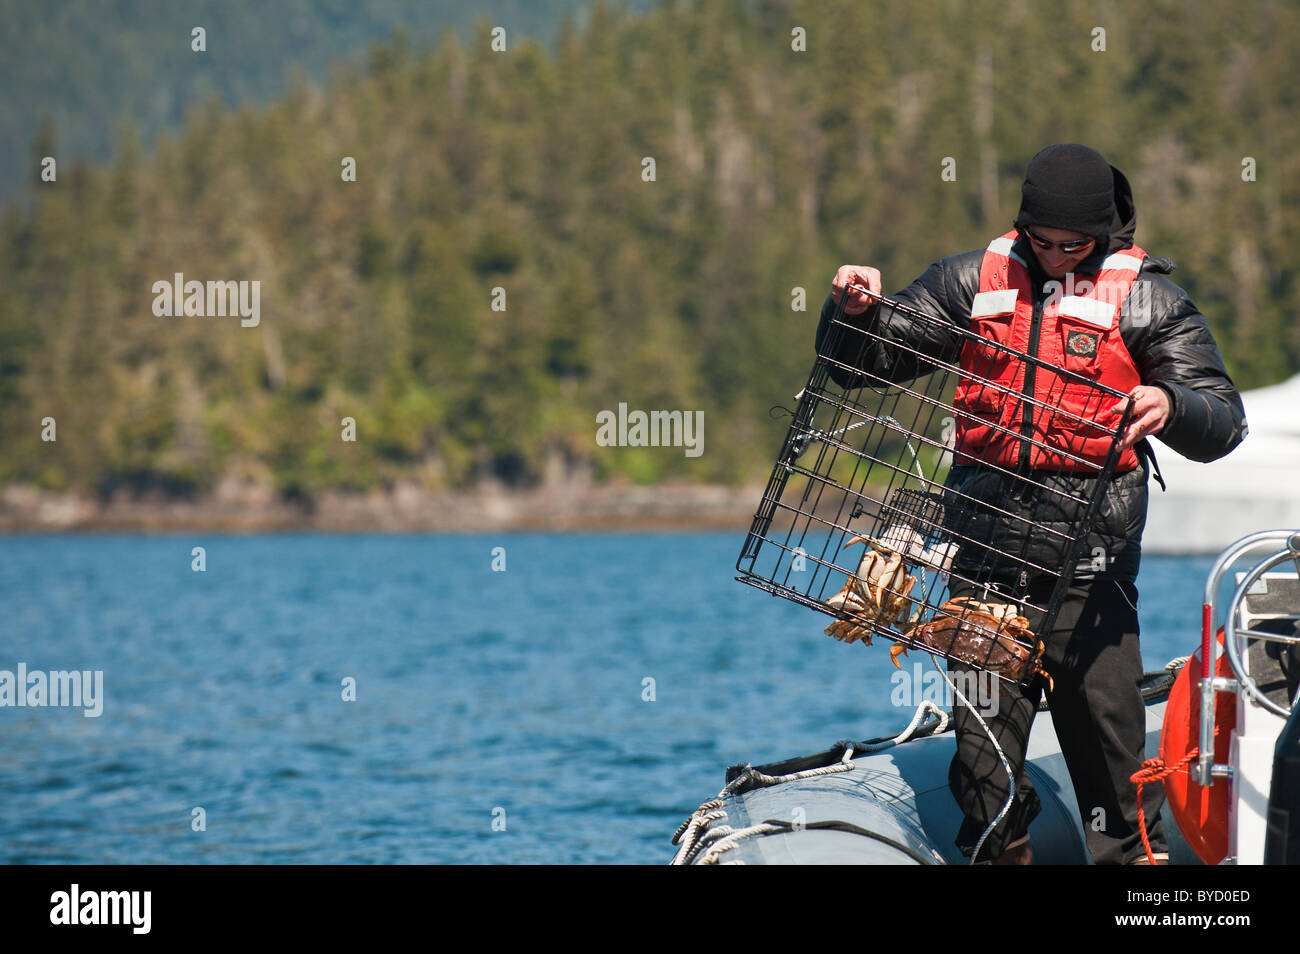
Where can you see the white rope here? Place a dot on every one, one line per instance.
(689, 833)
(731, 837)
(763, 781)
(1011, 794)
(921, 710)
(701, 818)
(718, 840)
(695, 835)
(1125, 595)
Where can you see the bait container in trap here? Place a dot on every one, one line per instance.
(929, 489)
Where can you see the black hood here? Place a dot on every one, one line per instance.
(1124, 225)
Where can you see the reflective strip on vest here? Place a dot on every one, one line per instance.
(994, 303)
(1002, 246)
(1091, 310)
(1120, 261)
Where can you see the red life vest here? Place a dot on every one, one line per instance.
(1079, 332)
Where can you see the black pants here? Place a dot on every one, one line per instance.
(1100, 720)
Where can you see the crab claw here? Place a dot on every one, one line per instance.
(896, 650)
(848, 597)
(864, 634)
(885, 577)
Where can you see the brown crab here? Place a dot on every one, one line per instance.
(877, 591)
(989, 635)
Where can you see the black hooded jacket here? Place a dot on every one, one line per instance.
(1171, 346)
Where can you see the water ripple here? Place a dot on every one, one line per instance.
(379, 700)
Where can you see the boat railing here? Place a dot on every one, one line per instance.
(1287, 544)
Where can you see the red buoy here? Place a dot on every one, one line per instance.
(1201, 813)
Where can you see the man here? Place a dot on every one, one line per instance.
(1122, 323)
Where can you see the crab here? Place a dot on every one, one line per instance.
(992, 636)
(877, 591)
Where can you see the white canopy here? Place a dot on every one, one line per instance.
(1256, 487)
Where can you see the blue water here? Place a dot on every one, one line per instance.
(482, 697)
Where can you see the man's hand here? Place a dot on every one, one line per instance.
(1150, 412)
(863, 275)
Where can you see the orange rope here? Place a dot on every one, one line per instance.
(1155, 770)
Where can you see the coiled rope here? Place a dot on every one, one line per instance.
(695, 835)
(1155, 770)
(704, 816)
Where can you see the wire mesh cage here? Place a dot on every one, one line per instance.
(937, 487)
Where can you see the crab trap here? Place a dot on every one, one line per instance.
(937, 487)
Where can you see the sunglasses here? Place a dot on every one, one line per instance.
(1069, 248)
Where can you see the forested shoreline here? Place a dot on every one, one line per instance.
(505, 265)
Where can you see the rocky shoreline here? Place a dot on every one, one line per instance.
(249, 508)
